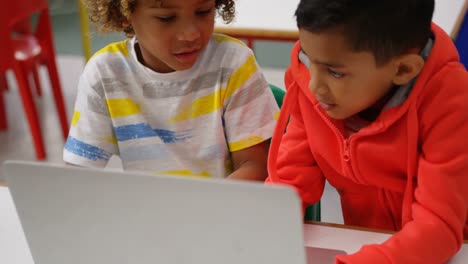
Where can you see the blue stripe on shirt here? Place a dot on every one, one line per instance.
(85, 150)
(130, 132)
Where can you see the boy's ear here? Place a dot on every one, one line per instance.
(408, 67)
(126, 22)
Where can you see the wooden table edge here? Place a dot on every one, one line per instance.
(358, 228)
(258, 33)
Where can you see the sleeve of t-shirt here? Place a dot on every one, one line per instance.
(250, 108)
(91, 140)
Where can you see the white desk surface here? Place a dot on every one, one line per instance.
(14, 248)
(279, 14)
(351, 240)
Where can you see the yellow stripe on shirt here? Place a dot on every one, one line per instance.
(245, 143)
(112, 140)
(276, 115)
(187, 173)
(117, 47)
(75, 118)
(201, 106)
(223, 38)
(122, 107)
(210, 103)
(240, 76)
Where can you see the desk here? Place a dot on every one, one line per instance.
(352, 239)
(14, 248)
(274, 19)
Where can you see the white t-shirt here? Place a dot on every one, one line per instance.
(184, 122)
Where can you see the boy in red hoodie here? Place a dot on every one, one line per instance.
(376, 105)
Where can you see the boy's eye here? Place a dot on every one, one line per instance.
(166, 18)
(335, 74)
(204, 12)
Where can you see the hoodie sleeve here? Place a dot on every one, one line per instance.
(437, 221)
(290, 160)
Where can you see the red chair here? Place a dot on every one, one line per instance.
(22, 28)
(22, 50)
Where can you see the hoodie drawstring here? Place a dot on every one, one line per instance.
(281, 125)
(412, 165)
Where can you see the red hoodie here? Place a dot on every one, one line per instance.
(407, 171)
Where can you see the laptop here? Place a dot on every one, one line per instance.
(77, 215)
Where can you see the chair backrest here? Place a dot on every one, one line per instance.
(17, 16)
(19, 10)
(462, 41)
(278, 93)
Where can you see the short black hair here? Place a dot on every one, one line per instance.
(387, 28)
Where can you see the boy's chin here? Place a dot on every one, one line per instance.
(338, 116)
(184, 67)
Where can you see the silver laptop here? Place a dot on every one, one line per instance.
(82, 216)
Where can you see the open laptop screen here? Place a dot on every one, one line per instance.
(74, 215)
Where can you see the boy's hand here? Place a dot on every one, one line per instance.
(250, 163)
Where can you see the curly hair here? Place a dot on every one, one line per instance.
(110, 15)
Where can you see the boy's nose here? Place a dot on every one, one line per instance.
(189, 32)
(316, 85)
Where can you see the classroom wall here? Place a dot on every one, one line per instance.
(66, 26)
(269, 54)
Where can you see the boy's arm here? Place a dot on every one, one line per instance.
(248, 118)
(250, 163)
(90, 142)
(439, 209)
(292, 163)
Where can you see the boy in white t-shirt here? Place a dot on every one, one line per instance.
(174, 98)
